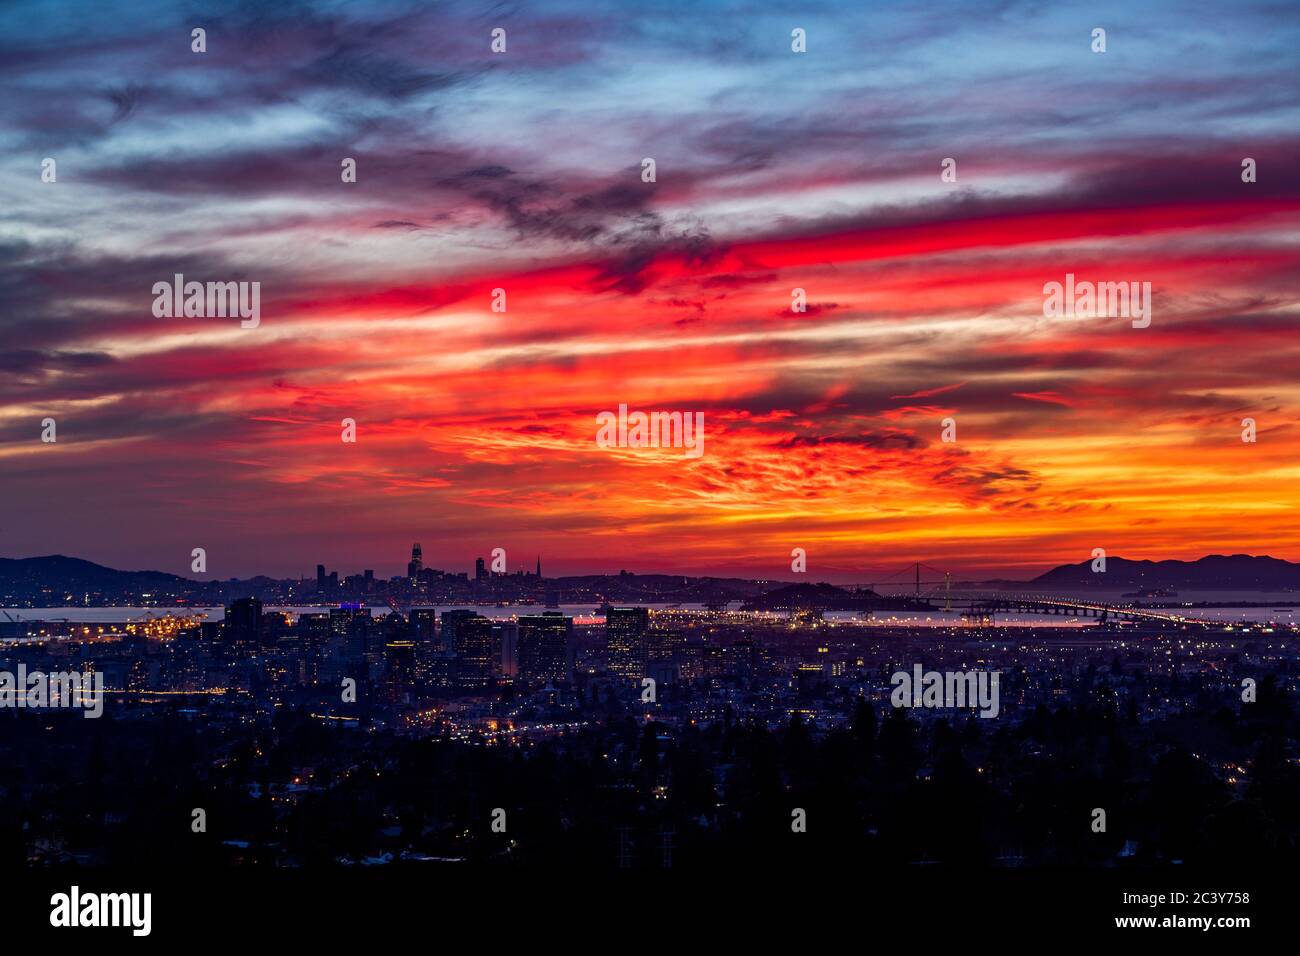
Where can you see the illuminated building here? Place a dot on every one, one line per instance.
(475, 660)
(424, 625)
(313, 630)
(450, 621)
(399, 668)
(543, 647)
(506, 636)
(625, 640)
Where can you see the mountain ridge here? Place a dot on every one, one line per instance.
(1224, 572)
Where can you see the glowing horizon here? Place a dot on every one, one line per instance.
(775, 171)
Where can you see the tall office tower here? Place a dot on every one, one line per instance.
(313, 630)
(320, 579)
(543, 641)
(539, 565)
(347, 629)
(244, 623)
(399, 664)
(275, 628)
(475, 662)
(424, 624)
(416, 564)
(663, 643)
(424, 631)
(626, 630)
(394, 627)
(480, 570)
(505, 637)
(212, 634)
(450, 621)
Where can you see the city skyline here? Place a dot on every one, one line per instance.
(776, 171)
(1236, 571)
(549, 446)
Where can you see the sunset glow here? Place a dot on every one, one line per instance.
(476, 429)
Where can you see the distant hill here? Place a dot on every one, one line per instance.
(73, 576)
(57, 578)
(824, 597)
(1215, 572)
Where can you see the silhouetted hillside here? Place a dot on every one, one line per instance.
(822, 596)
(1237, 572)
(73, 575)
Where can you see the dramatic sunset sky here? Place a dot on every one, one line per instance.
(522, 171)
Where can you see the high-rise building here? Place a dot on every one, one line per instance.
(506, 636)
(424, 630)
(626, 630)
(416, 564)
(480, 569)
(327, 585)
(475, 660)
(399, 667)
(424, 623)
(244, 623)
(312, 637)
(348, 630)
(543, 645)
(313, 629)
(450, 621)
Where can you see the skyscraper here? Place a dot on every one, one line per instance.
(348, 626)
(399, 667)
(475, 660)
(506, 636)
(543, 643)
(416, 564)
(450, 622)
(625, 641)
(244, 623)
(424, 624)
(424, 631)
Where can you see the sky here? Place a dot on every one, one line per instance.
(523, 171)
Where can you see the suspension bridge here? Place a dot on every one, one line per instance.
(936, 592)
